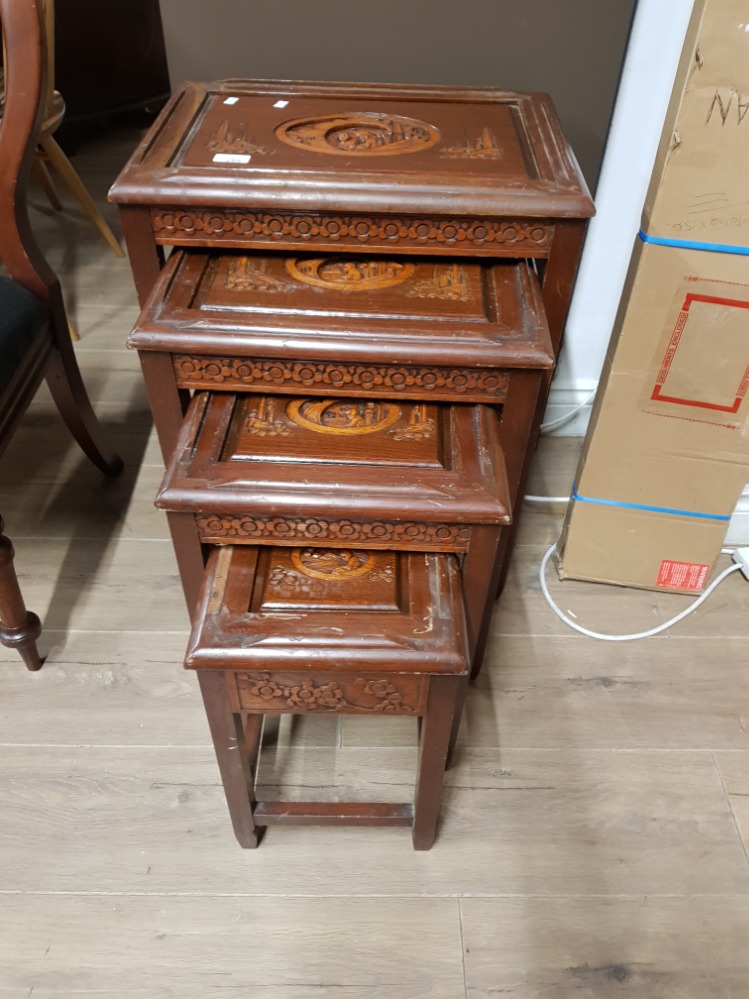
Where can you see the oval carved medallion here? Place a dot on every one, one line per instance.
(339, 563)
(342, 416)
(359, 134)
(349, 274)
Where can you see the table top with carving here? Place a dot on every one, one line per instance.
(348, 308)
(362, 459)
(352, 611)
(365, 148)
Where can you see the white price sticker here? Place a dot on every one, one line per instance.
(231, 158)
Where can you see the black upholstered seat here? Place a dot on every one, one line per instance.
(22, 319)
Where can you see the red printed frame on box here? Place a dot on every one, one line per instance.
(658, 393)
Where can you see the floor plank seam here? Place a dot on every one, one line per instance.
(649, 896)
(744, 846)
(463, 949)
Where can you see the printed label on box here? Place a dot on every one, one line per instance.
(682, 575)
(701, 366)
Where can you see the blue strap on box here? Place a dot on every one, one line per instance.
(644, 506)
(688, 244)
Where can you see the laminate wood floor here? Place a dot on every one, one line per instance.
(596, 822)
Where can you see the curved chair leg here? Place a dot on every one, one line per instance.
(19, 628)
(61, 164)
(71, 398)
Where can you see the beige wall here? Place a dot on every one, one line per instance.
(571, 48)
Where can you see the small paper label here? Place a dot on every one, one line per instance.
(682, 575)
(280, 104)
(231, 158)
(231, 100)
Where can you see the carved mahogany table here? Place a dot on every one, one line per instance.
(280, 165)
(374, 633)
(347, 352)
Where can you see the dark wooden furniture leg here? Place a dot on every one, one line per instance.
(167, 401)
(146, 256)
(434, 743)
(558, 278)
(168, 404)
(480, 568)
(520, 423)
(253, 731)
(70, 396)
(189, 554)
(19, 628)
(229, 742)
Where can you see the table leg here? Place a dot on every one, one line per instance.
(480, 567)
(433, 748)
(167, 401)
(559, 274)
(146, 256)
(229, 742)
(520, 421)
(189, 554)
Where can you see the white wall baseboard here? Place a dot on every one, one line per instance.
(738, 529)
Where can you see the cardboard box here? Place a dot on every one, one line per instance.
(699, 189)
(667, 455)
(667, 452)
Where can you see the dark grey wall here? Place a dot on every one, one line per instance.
(571, 48)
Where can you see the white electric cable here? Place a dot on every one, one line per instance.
(561, 420)
(625, 638)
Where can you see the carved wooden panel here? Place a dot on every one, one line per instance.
(335, 629)
(322, 378)
(362, 133)
(346, 274)
(420, 153)
(317, 578)
(363, 431)
(347, 325)
(323, 429)
(221, 226)
(326, 693)
(375, 533)
(333, 460)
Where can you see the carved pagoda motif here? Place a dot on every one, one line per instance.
(246, 274)
(261, 420)
(359, 134)
(420, 427)
(485, 147)
(225, 140)
(447, 283)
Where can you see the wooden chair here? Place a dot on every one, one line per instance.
(34, 339)
(49, 152)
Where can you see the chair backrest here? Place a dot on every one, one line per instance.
(25, 70)
(49, 38)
